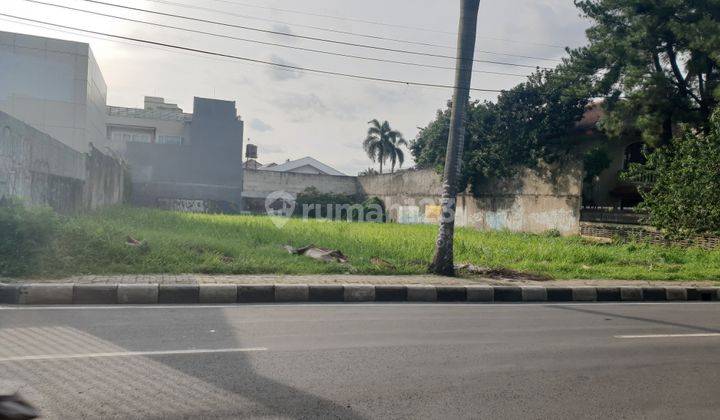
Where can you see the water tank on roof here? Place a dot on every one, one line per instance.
(251, 151)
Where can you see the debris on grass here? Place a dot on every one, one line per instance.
(501, 273)
(379, 262)
(141, 245)
(132, 241)
(320, 254)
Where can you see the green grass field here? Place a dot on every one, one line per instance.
(197, 243)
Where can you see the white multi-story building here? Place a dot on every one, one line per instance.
(157, 122)
(55, 86)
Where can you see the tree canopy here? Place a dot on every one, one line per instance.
(528, 123)
(656, 62)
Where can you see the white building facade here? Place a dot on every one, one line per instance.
(55, 86)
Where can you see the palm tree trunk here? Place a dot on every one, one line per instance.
(443, 263)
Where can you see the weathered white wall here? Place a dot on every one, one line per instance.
(530, 202)
(44, 171)
(55, 86)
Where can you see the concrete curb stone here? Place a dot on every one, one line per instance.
(507, 294)
(631, 294)
(218, 293)
(584, 294)
(95, 294)
(326, 293)
(358, 293)
(451, 293)
(385, 293)
(137, 294)
(534, 294)
(560, 294)
(46, 294)
(9, 294)
(676, 294)
(654, 294)
(255, 293)
(292, 293)
(480, 293)
(709, 293)
(608, 294)
(419, 293)
(179, 293)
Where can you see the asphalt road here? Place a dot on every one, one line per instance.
(366, 361)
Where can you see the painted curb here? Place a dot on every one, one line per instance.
(359, 293)
(95, 294)
(326, 293)
(255, 293)
(137, 294)
(484, 294)
(292, 293)
(421, 293)
(178, 293)
(141, 294)
(46, 294)
(534, 294)
(218, 293)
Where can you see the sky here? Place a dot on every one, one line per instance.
(291, 114)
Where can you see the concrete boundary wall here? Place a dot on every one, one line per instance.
(257, 185)
(43, 171)
(533, 201)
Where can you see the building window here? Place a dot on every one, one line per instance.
(126, 137)
(170, 140)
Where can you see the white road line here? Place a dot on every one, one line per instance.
(669, 335)
(128, 354)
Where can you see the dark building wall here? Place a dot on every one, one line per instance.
(212, 157)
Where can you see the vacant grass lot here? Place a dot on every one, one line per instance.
(196, 243)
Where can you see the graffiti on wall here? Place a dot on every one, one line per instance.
(183, 205)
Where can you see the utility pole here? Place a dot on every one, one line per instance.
(443, 263)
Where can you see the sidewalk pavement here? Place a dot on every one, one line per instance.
(198, 279)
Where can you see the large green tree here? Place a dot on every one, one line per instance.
(529, 123)
(657, 62)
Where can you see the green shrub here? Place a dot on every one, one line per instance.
(684, 197)
(25, 233)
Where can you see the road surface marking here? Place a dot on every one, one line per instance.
(669, 335)
(128, 354)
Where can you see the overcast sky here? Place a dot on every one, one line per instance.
(292, 114)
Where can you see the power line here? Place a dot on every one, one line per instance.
(162, 25)
(372, 22)
(338, 31)
(326, 40)
(247, 59)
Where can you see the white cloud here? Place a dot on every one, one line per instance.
(260, 125)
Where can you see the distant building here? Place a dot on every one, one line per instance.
(252, 164)
(306, 165)
(157, 122)
(54, 86)
(179, 159)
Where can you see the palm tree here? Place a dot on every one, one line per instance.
(382, 143)
(395, 153)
